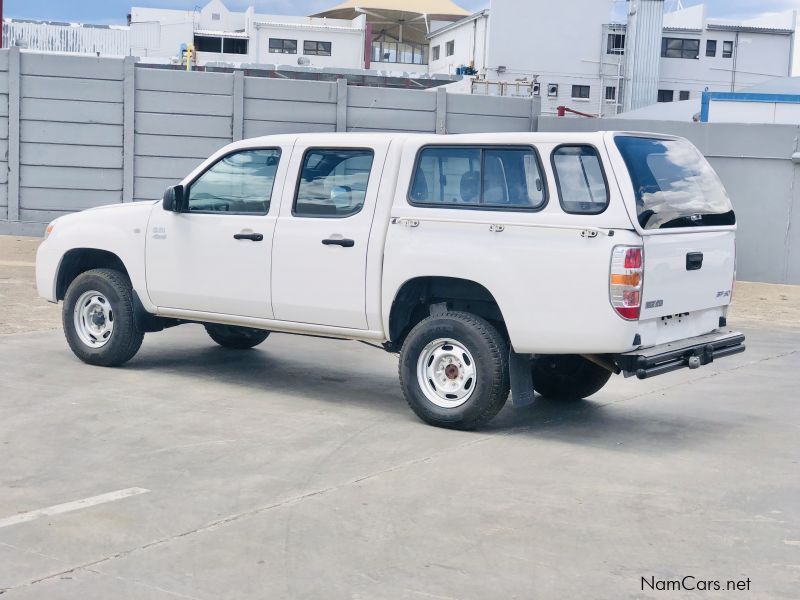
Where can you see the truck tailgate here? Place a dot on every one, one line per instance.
(687, 272)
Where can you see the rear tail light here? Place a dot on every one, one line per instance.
(625, 283)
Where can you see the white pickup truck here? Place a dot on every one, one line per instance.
(490, 262)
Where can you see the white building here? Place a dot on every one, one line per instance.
(387, 34)
(221, 35)
(583, 65)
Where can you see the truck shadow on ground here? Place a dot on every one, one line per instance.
(373, 385)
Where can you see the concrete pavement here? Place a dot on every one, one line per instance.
(296, 471)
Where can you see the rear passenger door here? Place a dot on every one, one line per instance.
(320, 251)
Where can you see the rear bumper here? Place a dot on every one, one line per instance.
(690, 353)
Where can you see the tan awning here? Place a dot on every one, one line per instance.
(403, 20)
(420, 7)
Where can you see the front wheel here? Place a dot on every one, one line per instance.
(567, 377)
(238, 338)
(98, 318)
(454, 370)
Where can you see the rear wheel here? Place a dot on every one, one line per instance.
(454, 370)
(567, 377)
(238, 338)
(98, 318)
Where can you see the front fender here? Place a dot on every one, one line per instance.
(119, 229)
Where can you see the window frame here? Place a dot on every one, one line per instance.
(614, 95)
(558, 180)
(728, 54)
(187, 187)
(665, 47)
(436, 52)
(672, 97)
(613, 49)
(317, 52)
(245, 41)
(581, 87)
(448, 46)
(300, 176)
(711, 44)
(481, 207)
(271, 51)
(684, 95)
(197, 37)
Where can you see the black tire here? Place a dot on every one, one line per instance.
(124, 339)
(237, 338)
(489, 352)
(567, 377)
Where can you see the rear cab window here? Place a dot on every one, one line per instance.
(581, 181)
(486, 177)
(674, 185)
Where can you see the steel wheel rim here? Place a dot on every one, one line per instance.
(94, 319)
(446, 373)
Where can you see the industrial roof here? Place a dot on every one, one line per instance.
(420, 7)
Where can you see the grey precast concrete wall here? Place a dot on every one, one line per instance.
(755, 164)
(78, 132)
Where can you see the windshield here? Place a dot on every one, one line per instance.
(674, 184)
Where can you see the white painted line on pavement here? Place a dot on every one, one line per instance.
(71, 506)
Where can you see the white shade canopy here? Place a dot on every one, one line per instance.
(406, 20)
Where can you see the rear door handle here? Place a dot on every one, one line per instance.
(253, 237)
(694, 261)
(343, 242)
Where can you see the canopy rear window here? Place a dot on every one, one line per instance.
(674, 184)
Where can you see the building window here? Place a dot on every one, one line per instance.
(727, 50)
(616, 43)
(611, 93)
(215, 16)
(207, 43)
(316, 48)
(435, 52)
(450, 48)
(581, 92)
(680, 48)
(537, 89)
(234, 45)
(666, 95)
(711, 48)
(279, 46)
(685, 95)
(552, 90)
(389, 51)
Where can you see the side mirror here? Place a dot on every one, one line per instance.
(173, 200)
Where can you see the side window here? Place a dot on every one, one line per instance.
(237, 183)
(581, 182)
(333, 182)
(501, 177)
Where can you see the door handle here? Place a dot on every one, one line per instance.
(253, 237)
(694, 261)
(343, 242)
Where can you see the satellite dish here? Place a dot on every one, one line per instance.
(303, 61)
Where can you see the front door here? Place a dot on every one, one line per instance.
(215, 255)
(320, 251)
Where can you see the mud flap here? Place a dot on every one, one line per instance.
(519, 367)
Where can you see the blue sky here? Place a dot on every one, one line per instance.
(114, 11)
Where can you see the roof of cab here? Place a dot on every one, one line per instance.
(349, 138)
